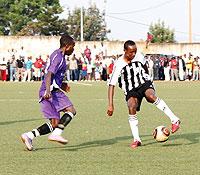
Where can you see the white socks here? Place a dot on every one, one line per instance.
(160, 104)
(133, 121)
(31, 135)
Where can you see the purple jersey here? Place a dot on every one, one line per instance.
(56, 65)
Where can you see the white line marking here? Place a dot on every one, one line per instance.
(84, 84)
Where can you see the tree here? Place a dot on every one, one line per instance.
(161, 34)
(35, 17)
(41, 17)
(4, 20)
(93, 24)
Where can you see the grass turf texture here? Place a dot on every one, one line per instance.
(99, 144)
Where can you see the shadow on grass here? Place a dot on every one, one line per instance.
(17, 121)
(193, 138)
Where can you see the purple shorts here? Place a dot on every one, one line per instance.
(51, 108)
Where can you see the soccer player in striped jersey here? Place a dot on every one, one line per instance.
(52, 97)
(131, 72)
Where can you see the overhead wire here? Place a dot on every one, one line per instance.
(144, 9)
(147, 25)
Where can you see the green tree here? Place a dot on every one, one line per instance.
(161, 33)
(4, 20)
(94, 27)
(35, 17)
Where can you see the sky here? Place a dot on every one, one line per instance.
(130, 19)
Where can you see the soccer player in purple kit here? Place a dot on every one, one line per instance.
(52, 97)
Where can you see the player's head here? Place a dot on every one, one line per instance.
(130, 49)
(67, 44)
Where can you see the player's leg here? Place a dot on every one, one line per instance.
(50, 113)
(68, 115)
(133, 121)
(160, 104)
(28, 137)
(62, 103)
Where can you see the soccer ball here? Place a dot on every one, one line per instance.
(161, 133)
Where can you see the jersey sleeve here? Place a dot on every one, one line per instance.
(115, 74)
(54, 64)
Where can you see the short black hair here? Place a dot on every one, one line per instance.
(128, 43)
(66, 40)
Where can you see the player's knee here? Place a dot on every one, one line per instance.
(132, 107)
(72, 112)
(151, 98)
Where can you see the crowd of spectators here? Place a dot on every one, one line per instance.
(92, 65)
(174, 68)
(95, 65)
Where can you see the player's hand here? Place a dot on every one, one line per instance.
(47, 95)
(65, 87)
(110, 110)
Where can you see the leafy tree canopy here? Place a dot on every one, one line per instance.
(161, 33)
(41, 17)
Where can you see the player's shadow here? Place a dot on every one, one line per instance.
(17, 121)
(193, 138)
(147, 140)
(97, 143)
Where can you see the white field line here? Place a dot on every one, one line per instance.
(84, 84)
(97, 99)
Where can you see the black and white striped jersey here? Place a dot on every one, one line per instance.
(129, 76)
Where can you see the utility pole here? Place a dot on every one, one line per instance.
(190, 21)
(81, 23)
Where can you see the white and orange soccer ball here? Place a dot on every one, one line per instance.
(161, 133)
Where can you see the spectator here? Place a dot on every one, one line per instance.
(38, 65)
(89, 71)
(188, 63)
(3, 66)
(150, 63)
(13, 64)
(87, 53)
(195, 70)
(28, 68)
(98, 71)
(20, 66)
(156, 66)
(166, 69)
(79, 72)
(174, 69)
(181, 68)
(22, 54)
(73, 67)
(84, 70)
(149, 39)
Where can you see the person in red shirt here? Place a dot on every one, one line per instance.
(149, 39)
(87, 53)
(38, 65)
(174, 69)
(3, 67)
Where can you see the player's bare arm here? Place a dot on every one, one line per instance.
(47, 95)
(110, 109)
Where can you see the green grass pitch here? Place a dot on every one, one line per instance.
(99, 145)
